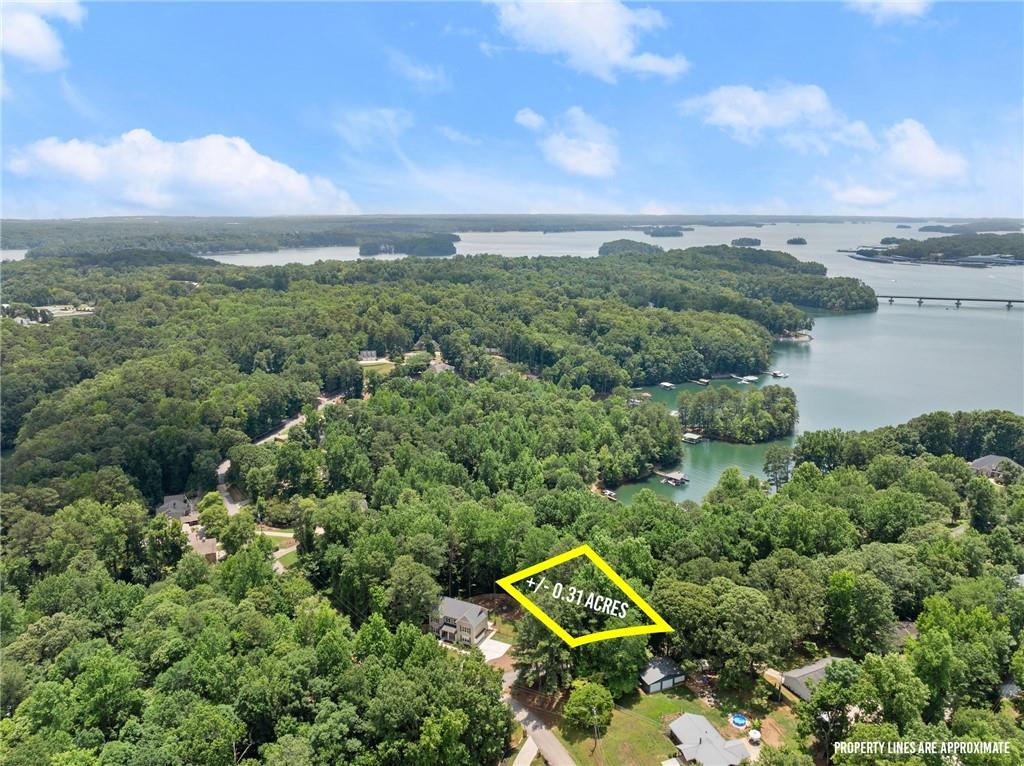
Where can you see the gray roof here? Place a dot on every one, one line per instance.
(658, 669)
(989, 462)
(700, 741)
(797, 680)
(455, 609)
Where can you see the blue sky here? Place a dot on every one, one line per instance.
(228, 108)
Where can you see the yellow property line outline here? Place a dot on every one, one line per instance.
(659, 625)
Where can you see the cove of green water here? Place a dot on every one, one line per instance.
(867, 370)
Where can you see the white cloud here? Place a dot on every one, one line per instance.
(424, 76)
(139, 172)
(883, 11)
(529, 119)
(28, 35)
(457, 136)
(802, 116)
(912, 172)
(581, 145)
(913, 150)
(597, 38)
(363, 128)
(862, 196)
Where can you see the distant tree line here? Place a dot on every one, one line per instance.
(955, 247)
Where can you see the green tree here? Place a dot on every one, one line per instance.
(238, 532)
(778, 462)
(412, 591)
(826, 715)
(213, 514)
(858, 612)
(589, 707)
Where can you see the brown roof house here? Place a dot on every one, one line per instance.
(989, 466)
(459, 622)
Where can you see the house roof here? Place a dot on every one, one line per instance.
(700, 741)
(989, 462)
(456, 609)
(658, 669)
(797, 680)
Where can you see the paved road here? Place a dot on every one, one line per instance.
(279, 554)
(554, 752)
(223, 468)
(222, 489)
(526, 753)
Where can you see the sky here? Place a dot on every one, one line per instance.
(188, 108)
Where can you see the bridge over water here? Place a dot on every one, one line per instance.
(921, 299)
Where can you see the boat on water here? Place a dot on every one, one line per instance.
(672, 478)
(609, 494)
(779, 374)
(795, 337)
(674, 413)
(666, 385)
(701, 381)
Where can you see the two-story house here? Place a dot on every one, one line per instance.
(459, 622)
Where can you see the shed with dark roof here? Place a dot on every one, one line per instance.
(660, 674)
(801, 680)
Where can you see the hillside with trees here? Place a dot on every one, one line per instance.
(184, 358)
(120, 647)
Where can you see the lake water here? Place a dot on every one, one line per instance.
(12, 255)
(305, 255)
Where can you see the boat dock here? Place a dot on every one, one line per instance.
(672, 478)
(1008, 302)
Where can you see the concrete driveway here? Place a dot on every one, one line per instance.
(493, 649)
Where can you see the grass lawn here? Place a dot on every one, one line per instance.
(279, 542)
(639, 730)
(276, 530)
(504, 630)
(289, 559)
(382, 366)
(778, 721)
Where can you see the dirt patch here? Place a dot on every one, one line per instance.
(545, 706)
(505, 662)
(500, 604)
(771, 733)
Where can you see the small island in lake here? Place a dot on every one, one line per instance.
(796, 241)
(746, 242)
(665, 231)
(748, 417)
(617, 246)
(903, 226)
(417, 245)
